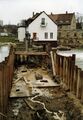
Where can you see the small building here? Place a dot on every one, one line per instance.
(21, 33)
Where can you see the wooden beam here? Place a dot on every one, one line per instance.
(30, 53)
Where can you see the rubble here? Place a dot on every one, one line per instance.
(38, 76)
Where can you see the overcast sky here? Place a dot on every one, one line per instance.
(12, 11)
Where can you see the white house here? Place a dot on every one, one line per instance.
(41, 27)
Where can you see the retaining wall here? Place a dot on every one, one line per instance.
(6, 76)
(70, 74)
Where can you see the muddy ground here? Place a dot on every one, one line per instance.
(52, 104)
(58, 101)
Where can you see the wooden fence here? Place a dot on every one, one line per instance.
(6, 75)
(70, 74)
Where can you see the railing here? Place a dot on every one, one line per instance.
(70, 74)
(6, 75)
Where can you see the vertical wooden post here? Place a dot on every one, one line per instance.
(81, 79)
(64, 70)
(67, 71)
(75, 80)
(1, 89)
(56, 64)
(53, 65)
(68, 82)
(54, 55)
(61, 67)
(72, 71)
(78, 93)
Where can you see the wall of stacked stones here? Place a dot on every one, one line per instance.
(70, 37)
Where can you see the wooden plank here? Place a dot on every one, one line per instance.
(81, 77)
(72, 71)
(30, 53)
(78, 93)
(53, 65)
(75, 80)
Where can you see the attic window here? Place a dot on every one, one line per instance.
(43, 21)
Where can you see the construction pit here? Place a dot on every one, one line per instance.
(37, 95)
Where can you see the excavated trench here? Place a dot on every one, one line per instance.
(36, 95)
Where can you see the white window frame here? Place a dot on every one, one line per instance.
(51, 35)
(46, 35)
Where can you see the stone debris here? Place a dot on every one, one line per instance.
(38, 76)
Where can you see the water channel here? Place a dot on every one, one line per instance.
(4, 52)
(78, 53)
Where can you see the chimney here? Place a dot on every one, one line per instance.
(33, 14)
(66, 12)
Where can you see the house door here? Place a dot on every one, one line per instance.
(34, 35)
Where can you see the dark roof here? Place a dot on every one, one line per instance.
(59, 19)
(62, 19)
(30, 20)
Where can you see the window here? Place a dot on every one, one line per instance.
(51, 35)
(43, 21)
(46, 35)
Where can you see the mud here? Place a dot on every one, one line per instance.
(47, 103)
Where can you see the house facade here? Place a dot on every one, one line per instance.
(42, 28)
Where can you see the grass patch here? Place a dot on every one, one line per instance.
(8, 39)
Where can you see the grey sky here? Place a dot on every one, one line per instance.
(14, 10)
